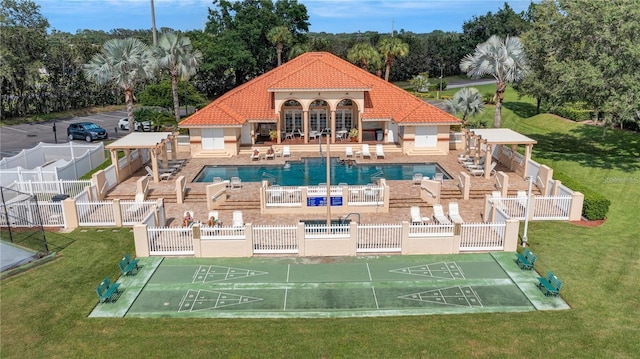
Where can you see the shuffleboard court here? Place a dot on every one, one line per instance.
(327, 287)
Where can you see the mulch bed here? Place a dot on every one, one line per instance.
(586, 223)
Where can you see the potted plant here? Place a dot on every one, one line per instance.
(273, 135)
(353, 134)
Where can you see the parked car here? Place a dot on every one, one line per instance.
(123, 124)
(88, 131)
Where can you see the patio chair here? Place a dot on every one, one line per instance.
(300, 133)
(480, 171)
(416, 216)
(236, 219)
(348, 151)
(236, 182)
(454, 213)
(289, 135)
(379, 151)
(438, 214)
(417, 178)
(255, 155)
(472, 165)
(438, 176)
(314, 134)
(164, 176)
(365, 151)
(286, 151)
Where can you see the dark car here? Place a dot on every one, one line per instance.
(86, 130)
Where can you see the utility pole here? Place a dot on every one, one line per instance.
(153, 25)
(441, 74)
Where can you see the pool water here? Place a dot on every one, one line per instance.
(312, 171)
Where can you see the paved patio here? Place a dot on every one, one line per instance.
(403, 194)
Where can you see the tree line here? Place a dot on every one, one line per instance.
(576, 51)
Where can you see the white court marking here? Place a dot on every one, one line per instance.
(197, 300)
(213, 273)
(462, 296)
(447, 270)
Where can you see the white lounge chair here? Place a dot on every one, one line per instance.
(164, 176)
(417, 178)
(236, 182)
(286, 151)
(236, 219)
(379, 151)
(270, 156)
(496, 199)
(213, 219)
(438, 176)
(348, 151)
(184, 218)
(255, 155)
(289, 135)
(454, 213)
(522, 198)
(365, 151)
(438, 214)
(300, 133)
(473, 165)
(480, 171)
(416, 216)
(137, 205)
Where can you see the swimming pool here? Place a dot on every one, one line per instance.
(311, 171)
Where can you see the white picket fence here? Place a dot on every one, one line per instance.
(275, 239)
(379, 238)
(322, 231)
(134, 212)
(99, 213)
(44, 190)
(542, 207)
(285, 196)
(366, 195)
(430, 230)
(30, 213)
(482, 237)
(170, 241)
(222, 232)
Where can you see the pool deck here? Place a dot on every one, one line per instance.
(401, 192)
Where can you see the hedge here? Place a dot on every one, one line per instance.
(575, 114)
(595, 205)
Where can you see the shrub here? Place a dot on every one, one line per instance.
(574, 113)
(489, 98)
(595, 205)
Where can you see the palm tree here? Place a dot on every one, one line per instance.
(505, 60)
(175, 54)
(280, 36)
(392, 48)
(363, 53)
(467, 101)
(124, 62)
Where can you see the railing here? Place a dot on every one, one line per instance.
(518, 158)
(96, 213)
(45, 190)
(277, 196)
(275, 239)
(514, 207)
(322, 231)
(222, 233)
(552, 208)
(430, 230)
(134, 212)
(166, 241)
(366, 195)
(482, 236)
(52, 214)
(379, 238)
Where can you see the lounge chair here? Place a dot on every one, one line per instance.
(188, 220)
(496, 199)
(438, 176)
(417, 178)
(236, 219)
(480, 171)
(522, 198)
(454, 213)
(379, 151)
(164, 176)
(289, 135)
(236, 182)
(255, 155)
(270, 156)
(416, 216)
(286, 152)
(473, 165)
(214, 219)
(348, 151)
(365, 151)
(300, 133)
(138, 205)
(438, 214)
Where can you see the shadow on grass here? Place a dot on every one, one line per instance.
(521, 109)
(586, 145)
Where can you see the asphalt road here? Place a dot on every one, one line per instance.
(15, 138)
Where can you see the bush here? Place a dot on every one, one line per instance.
(489, 98)
(574, 113)
(595, 205)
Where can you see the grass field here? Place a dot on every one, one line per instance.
(44, 311)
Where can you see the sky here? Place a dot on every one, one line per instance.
(331, 16)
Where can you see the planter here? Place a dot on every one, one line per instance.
(353, 139)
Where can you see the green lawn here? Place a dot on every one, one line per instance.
(44, 311)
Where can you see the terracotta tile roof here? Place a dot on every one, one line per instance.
(316, 70)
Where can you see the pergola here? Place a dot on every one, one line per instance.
(155, 142)
(477, 140)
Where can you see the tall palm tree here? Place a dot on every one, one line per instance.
(362, 53)
(280, 36)
(467, 101)
(123, 62)
(392, 48)
(505, 60)
(175, 54)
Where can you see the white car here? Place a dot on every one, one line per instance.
(123, 124)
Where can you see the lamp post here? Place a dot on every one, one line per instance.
(526, 213)
(441, 74)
